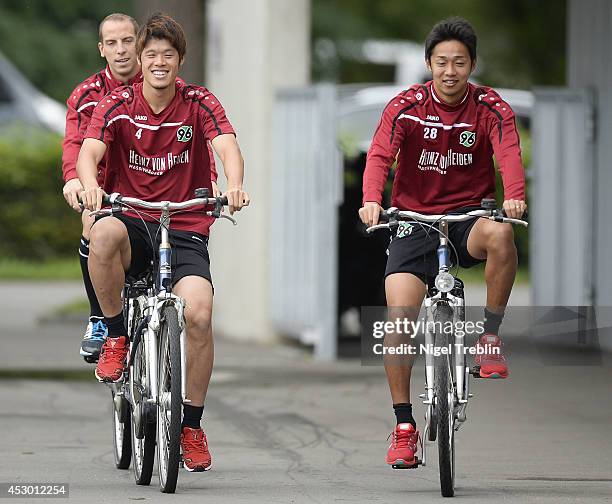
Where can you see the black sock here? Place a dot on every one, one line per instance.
(95, 311)
(403, 413)
(492, 321)
(192, 416)
(116, 326)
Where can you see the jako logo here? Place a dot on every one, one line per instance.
(141, 118)
(433, 118)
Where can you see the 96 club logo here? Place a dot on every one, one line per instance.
(184, 133)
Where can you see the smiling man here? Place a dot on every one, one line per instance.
(444, 134)
(155, 136)
(117, 44)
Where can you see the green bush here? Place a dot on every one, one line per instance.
(35, 221)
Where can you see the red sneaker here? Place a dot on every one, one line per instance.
(403, 447)
(492, 363)
(112, 359)
(196, 457)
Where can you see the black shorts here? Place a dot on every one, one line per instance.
(413, 250)
(189, 250)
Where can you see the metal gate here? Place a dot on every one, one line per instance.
(306, 192)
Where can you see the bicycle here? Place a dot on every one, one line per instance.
(147, 400)
(447, 388)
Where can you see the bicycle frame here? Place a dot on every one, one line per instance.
(455, 300)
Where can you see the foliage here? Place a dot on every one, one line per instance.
(35, 221)
(520, 43)
(54, 42)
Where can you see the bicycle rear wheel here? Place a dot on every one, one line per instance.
(444, 393)
(170, 400)
(121, 432)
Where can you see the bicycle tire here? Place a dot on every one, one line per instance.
(122, 441)
(143, 432)
(170, 401)
(444, 411)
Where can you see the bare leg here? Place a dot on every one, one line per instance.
(198, 295)
(109, 259)
(494, 242)
(405, 293)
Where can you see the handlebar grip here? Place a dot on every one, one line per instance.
(222, 200)
(106, 199)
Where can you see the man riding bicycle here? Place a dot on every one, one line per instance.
(117, 44)
(446, 132)
(155, 137)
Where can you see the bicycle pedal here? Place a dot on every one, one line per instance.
(475, 372)
(406, 466)
(91, 359)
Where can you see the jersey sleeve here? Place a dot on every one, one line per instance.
(384, 148)
(505, 141)
(212, 113)
(102, 125)
(80, 107)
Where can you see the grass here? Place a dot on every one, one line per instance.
(475, 275)
(53, 269)
(76, 307)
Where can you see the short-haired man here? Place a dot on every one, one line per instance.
(446, 132)
(131, 126)
(117, 44)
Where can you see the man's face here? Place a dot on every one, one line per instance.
(118, 46)
(451, 66)
(160, 63)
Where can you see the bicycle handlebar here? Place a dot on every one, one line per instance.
(116, 198)
(393, 214)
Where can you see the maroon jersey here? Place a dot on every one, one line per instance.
(165, 156)
(446, 152)
(81, 104)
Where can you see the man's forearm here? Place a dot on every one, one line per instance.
(233, 166)
(87, 170)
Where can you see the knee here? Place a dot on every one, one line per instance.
(198, 320)
(105, 239)
(500, 239)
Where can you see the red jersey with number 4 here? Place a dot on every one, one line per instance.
(445, 159)
(160, 157)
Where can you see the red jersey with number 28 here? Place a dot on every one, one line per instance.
(160, 157)
(445, 159)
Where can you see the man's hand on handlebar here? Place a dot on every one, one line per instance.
(369, 213)
(71, 192)
(92, 198)
(236, 199)
(514, 208)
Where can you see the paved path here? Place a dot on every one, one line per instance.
(283, 428)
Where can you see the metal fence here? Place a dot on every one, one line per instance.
(306, 192)
(562, 198)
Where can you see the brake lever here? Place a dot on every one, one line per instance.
(222, 216)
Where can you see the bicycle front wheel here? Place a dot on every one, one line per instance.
(170, 400)
(444, 393)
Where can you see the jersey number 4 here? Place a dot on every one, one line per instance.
(139, 134)
(430, 133)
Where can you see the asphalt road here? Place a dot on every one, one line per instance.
(283, 428)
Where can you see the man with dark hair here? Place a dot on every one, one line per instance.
(132, 126)
(446, 132)
(117, 44)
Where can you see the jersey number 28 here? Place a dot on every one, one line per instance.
(430, 133)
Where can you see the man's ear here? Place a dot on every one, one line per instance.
(428, 64)
(100, 48)
(474, 64)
